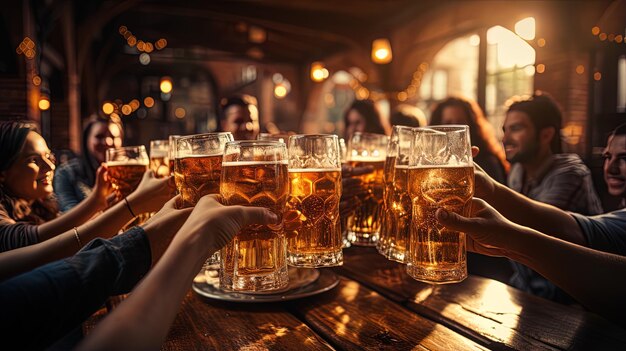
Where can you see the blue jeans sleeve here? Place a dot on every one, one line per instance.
(43, 305)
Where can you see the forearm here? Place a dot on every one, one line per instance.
(70, 219)
(26, 258)
(590, 276)
(534, 214)
(136, 324)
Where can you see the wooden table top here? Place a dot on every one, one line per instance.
(378, 306)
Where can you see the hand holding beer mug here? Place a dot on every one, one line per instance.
(396, 216)
(366, 149)
(198, 168)
(159, 158)
(126, 167)
(441, 175)
(254, 173)
(314, 193)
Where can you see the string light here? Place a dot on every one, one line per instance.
(141, 45)
(27, 48)
(44, 103)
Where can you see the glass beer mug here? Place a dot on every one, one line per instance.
(441, 175)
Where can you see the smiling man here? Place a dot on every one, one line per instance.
(542, 172)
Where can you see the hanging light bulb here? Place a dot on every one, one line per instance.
(318, 72)
(381, 51)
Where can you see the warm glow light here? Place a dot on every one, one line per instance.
(597, 76)
(134, 104)
(317, 71)
(602, 36)
(541, 42)
(580, 69)
(280, 91)
(148, 102)
(381, 51)
(37, 80)
(619, 38)
(541, 68)
(257, 35)
(108, 108)
(166, 85)
(44, 103)
(402, 96)
(511, 50)
(126, 109)
(595, 30)
(526, 28)
(474, 40)
(144, 59)
(180, 112)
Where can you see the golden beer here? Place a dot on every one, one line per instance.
(364, 224)
(397, 214)
(436, 254)
(388, 171)
(255, 260)
(314, 194)
(197, 176)
(126, 175)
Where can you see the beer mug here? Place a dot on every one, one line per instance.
(366, 149)
(441, 175)
(159, 158)
(314, 193)
(396, 213)
(171, 152)
(126, 166)
(343, 220)
(198, 165)
(254, 173)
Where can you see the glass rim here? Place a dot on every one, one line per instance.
(201, 135)
(452, 127)
(255, 143)
(126, 147)
(313, 136)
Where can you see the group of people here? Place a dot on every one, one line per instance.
(60, 257)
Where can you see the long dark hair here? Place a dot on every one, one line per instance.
(481, 131)
(88, 164)
(12, 139)
(368, 111)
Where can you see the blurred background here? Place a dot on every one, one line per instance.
(163, 67)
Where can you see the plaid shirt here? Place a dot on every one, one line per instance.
(562, 181)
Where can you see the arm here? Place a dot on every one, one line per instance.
(96, 201)
(527, 212)
(587, 275)
(43, 305)
(149, 196)
(143, 320)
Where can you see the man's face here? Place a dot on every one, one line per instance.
(521, 142)
(615, 165)
(237, 121)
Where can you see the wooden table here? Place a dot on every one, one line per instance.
(377, 306)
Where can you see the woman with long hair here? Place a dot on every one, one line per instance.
(27, 212)
(363, 117)
(456, 110)
(74, 181)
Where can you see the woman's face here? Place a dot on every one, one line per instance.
(30, 176)
(356, 123)
(99, 140)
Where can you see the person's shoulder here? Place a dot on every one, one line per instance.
(69, 168)
(569, 164)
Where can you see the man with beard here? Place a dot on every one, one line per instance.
(542, 172)
(236, 118)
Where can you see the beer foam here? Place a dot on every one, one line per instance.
(128, 163)
(311, 170)
(469, 165)
(158, 153)
(403, 167)
(357, 158)
(253, 163)
(199, 156)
